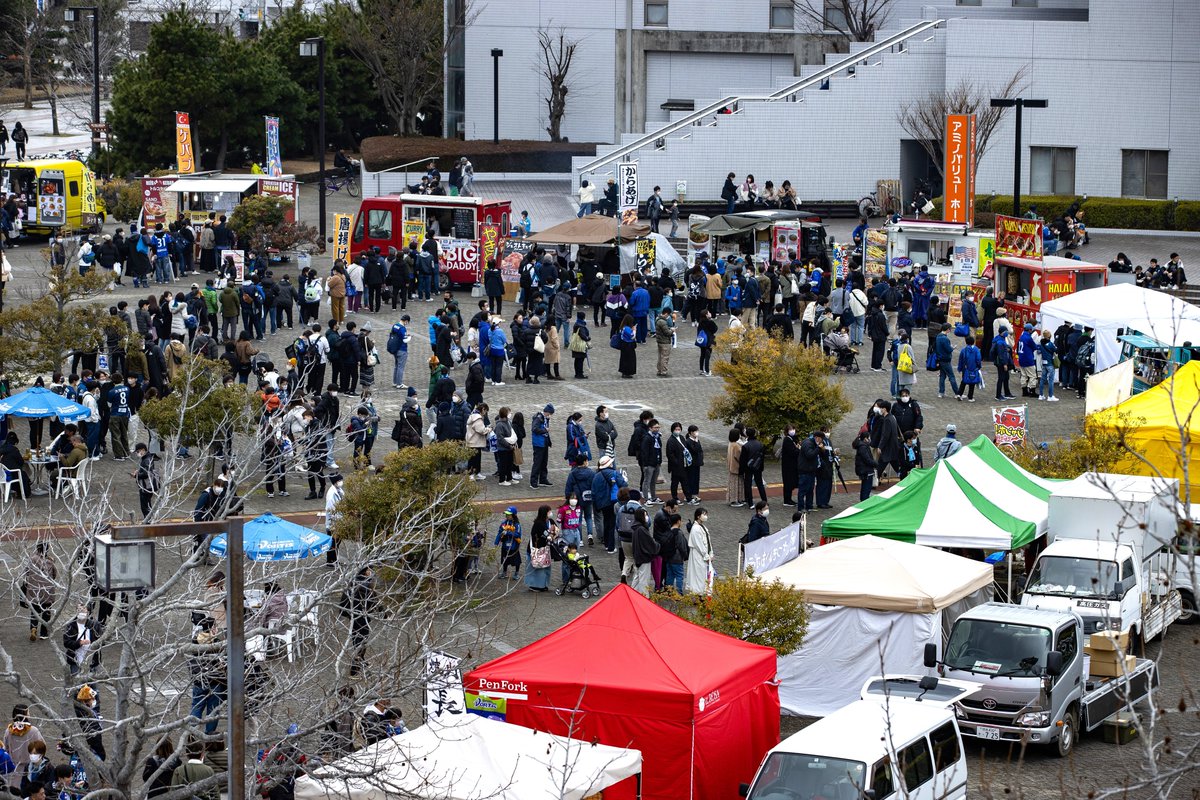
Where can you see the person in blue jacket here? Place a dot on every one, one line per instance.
(639, 309)
(970, 360)
(1027, 361)
(607, 482)
(1048, 352)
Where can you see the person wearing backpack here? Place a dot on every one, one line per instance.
(1085, 362)
(333, 338)
(948, 445)
(540, 431)
(606, 486)
(706, 337)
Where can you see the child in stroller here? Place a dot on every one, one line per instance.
(577, 571)
(838, 343)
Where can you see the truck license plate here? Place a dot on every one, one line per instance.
(987, 732)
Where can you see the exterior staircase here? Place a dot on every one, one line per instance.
(790, 131)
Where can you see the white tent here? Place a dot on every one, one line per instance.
(1123, 305)
(472, 758)
(665, 255)
(875, 604)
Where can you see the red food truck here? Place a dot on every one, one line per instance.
(1029, 282)
(468, 230)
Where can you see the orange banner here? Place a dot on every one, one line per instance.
(185, 157)
(959, 169)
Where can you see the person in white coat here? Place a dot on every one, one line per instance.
(700, 555)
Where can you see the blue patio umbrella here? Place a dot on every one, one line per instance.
(41, 403)
(269, 538)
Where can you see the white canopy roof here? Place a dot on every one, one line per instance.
(236, 184)
(883, 574)
(472, 758)
(1124, 305)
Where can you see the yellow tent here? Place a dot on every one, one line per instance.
(1162, 425)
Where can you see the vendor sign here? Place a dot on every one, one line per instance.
(458, 254)
(647, 250)
(959, 147)
(698, 241)
(274, 162)
(489, 240)
(875, 253)
(414, 230)
(154, 201)
(1018, 237)
(513, 252)
(341, 237)
(443, 685)
(1058, 285)
(1011, 425)
(185, 157)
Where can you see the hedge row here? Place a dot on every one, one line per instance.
(1102, 212)
(509, 155)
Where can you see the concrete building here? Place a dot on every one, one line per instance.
(1123, 87)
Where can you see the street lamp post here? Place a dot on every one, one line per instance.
(1018, 103)
(71, 15)
(310, 48)
(128, 552)
(496, 55)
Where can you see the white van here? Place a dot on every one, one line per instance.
(901, 740)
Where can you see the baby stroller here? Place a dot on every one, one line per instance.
(847, 359)
(582, 576)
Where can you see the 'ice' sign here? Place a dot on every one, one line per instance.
(627, 179)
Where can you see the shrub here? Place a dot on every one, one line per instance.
(1123, 212)
(1097, 449)
(1187, 216)
(747, 608)
(122, 199)
(1102, 212)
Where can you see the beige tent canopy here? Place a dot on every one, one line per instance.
(876, 603)
(882, 574)
(593, 229)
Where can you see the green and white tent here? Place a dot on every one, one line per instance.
(976, 498)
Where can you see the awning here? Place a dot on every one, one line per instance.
(238, 185)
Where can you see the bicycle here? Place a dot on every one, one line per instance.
(871, 206)
(335, 183)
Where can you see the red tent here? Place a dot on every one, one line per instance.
(702, 707)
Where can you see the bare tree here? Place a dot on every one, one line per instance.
(856, 20)
(27, 33)
(401, 43)
(925, 119)
(558, 51)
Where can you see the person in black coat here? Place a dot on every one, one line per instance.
(908, 414)
(864, 466)
(790, 465)
(696, 450)
(443, 341)
(493, 287)
(991, 306)
(534, 365)
(891, 445)
(877, 332)
(751, 465)
(758, 528)
(677, 463)
(353, 358)
(83, 631)
(159, 767)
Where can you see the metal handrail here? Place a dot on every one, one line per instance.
(399, 167)
(788, 91)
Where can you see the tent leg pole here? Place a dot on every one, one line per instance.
(1009, 597)
(639, 786)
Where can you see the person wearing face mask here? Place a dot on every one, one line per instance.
(692, 471)
(890, 445)
(87, 712)
(758, 527)
(698, 572)
(79, 640)
(570, 517)
(41, 770)
(908, 414)
(606, 434)
(333, 499)
(19, 736)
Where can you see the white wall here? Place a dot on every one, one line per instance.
(695, 76)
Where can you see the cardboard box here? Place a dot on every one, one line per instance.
(1109, 640)
(1105, 668)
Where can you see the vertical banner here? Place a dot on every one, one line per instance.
(154, 199)
(274, 162)
(489, 244)
(627, 186)
(647, 253)
(1018, 237)
(959, 148)
(1011, 425)
(88, 208)
(341, 238)
(987, 257)
(443, 685)
(185, 157)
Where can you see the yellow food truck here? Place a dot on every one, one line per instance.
(60, 195)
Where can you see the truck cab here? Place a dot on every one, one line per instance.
(900, 740)
(1109, 559)
(1029, 666)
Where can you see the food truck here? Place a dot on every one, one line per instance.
(197, 196)
(468, 230)
(60, 195)
(946, 247)
(1027, 278)
(1155, 361)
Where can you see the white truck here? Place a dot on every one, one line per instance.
(1109, 556)
(1029, 666)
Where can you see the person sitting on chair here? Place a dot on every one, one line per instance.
(14, 462)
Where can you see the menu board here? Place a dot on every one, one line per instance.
(875, 253)
(52, 200)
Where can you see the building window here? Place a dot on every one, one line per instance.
(968, 2)
(1144, 173)
(835, 16)
(656, 13)
(1025, 3)
(783, 15)
(1052, 170)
